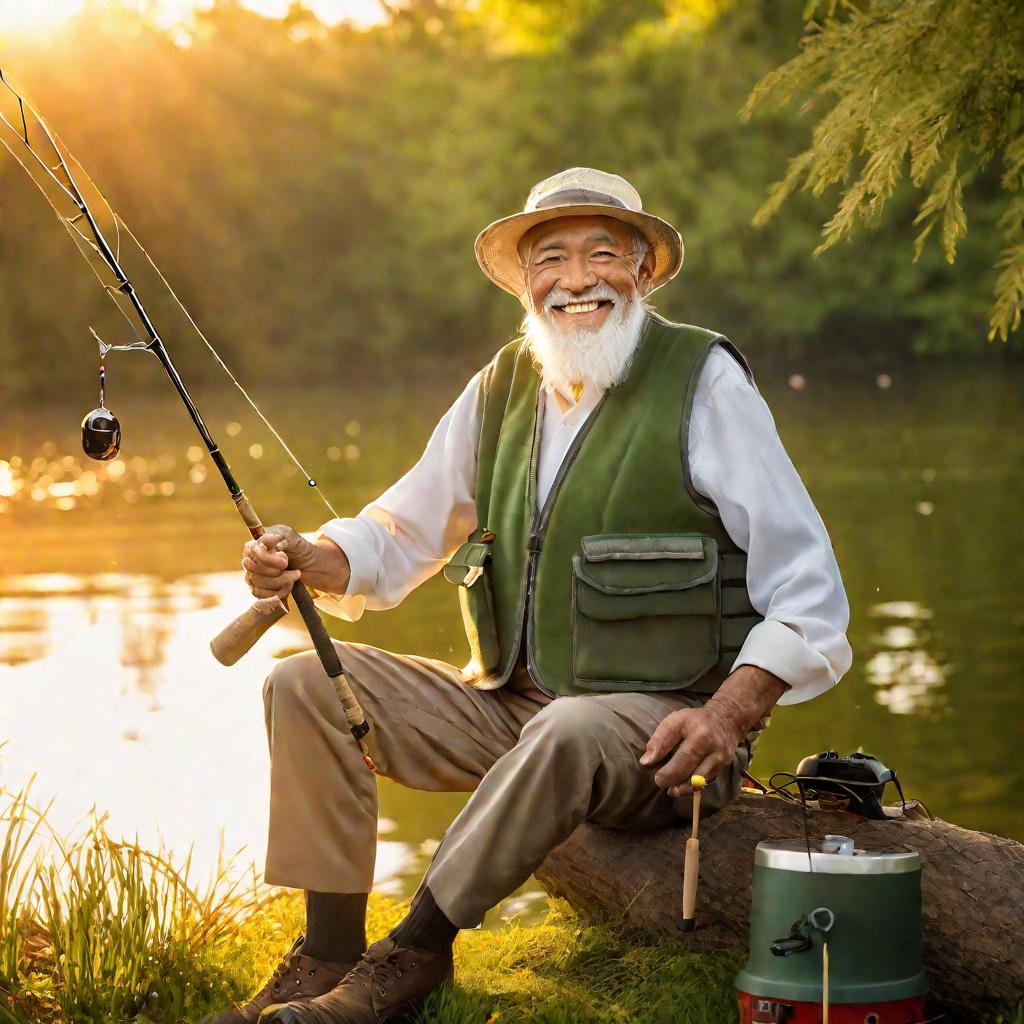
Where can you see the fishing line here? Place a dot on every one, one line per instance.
(115, 291)
(67, 223)
(224, 366)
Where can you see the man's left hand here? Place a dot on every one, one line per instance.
(705, 738)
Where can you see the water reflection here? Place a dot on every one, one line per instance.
(111, 699)
(24, 633)
(66, 482)
(921, 499)
(909, 678)
(900, 610)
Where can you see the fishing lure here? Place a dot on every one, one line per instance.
(101, 429)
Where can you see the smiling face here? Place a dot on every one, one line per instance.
(586, 280)
(579, 268)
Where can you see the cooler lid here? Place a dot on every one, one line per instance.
(792, 855)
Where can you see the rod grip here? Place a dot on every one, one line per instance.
(691, 871)
(236, 638)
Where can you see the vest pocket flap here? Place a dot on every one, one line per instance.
(648, 564)
(654, 546)
(470, 570)
(471, 555)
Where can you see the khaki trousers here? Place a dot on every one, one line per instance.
(536, 767)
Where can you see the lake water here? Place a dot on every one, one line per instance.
(115, 576)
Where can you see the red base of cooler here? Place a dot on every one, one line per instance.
(763, 1010)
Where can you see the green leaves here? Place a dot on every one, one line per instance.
(1006, 315)
(943, 205)
(932, 79)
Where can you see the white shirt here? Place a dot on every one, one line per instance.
(736, 459)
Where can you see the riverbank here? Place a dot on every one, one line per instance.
(553, 973)
(94, 930)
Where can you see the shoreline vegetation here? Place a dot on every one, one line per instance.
(93, 929)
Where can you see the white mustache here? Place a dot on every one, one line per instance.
(599, 293)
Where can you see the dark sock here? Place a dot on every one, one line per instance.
(335, 926)
(426, 927)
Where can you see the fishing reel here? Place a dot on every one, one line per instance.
(855, 783)
(101, 435)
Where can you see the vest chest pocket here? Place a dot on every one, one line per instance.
(469, 568)
(646, 611)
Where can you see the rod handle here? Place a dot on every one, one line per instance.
(691, 871)
(238, 637)
(328, 655)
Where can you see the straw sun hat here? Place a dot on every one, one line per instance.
(577, 192)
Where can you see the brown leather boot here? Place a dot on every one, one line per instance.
(388, 985)
(296, 977)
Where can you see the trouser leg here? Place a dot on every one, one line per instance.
(576, 760)
(429, 731)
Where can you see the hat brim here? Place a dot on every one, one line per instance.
(497, 245)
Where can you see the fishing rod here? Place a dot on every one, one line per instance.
(101, 430)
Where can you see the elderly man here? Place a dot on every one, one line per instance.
(642, 576)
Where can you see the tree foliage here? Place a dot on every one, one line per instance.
(928, 89)
(313, 193)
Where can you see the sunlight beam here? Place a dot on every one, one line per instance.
(39, 17)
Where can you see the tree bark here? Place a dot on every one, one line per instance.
(972, 888)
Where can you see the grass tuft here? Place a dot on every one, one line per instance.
(96, 929)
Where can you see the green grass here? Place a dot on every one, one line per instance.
(94, 930)
(565, 971)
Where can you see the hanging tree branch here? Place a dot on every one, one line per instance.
(932, 90)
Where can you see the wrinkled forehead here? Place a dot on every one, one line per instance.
(573, 232)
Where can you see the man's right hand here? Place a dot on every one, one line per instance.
(275, 562)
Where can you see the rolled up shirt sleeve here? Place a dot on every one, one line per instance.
(738, 461)
(404, 537)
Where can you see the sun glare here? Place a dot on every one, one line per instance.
(30, 16)
(38, 17)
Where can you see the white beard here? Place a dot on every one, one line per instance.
(582, 355)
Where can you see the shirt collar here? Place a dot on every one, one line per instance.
(565, 399)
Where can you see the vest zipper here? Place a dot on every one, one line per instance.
(531, 510)
(539, 526)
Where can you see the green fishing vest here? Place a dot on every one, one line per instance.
(626, 579)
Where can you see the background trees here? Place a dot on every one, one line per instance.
(316, 191)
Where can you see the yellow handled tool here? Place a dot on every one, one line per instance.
(691, 865)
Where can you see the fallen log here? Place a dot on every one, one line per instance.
(972, 888)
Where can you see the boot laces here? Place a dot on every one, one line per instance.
(380, 972)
